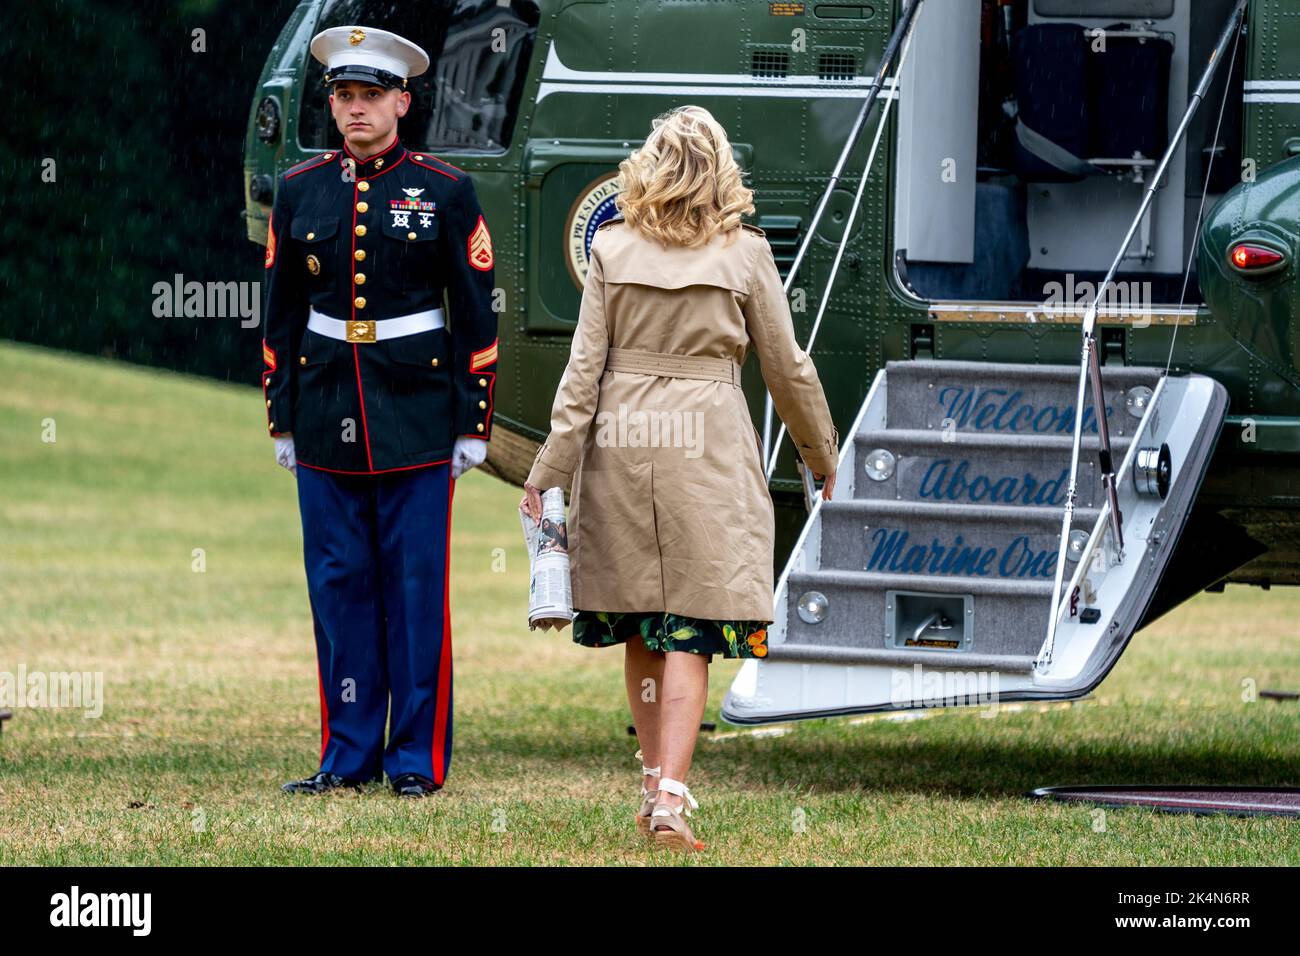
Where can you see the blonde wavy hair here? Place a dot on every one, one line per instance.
(683, 186)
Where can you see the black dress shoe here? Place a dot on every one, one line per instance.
(320, 783)
(414, 785)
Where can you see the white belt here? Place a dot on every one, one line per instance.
(370, 330)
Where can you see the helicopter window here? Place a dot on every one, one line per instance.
(468, 99)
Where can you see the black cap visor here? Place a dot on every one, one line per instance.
(364, 74)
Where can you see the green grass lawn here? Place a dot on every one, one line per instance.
(211, 697)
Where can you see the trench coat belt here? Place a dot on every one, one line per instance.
(673, 366)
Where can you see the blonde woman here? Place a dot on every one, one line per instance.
(670, 518)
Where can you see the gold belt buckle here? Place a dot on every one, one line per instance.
(361, 331)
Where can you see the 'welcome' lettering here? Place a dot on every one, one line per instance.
(1003, 410)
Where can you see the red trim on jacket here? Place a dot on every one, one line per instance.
(435, 168)
(425, 152)
(381, 471)
(365, 429)
(309, 164)
(388, 148)
(356, 359)
(384, 172)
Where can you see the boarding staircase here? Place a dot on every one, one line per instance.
(938, 552)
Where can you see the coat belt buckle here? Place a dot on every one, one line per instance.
(361, 331)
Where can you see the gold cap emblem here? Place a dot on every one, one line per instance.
(356, 36)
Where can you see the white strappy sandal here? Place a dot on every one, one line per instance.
(647, 798)
(668, 824)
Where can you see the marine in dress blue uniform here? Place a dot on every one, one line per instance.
(372, 392)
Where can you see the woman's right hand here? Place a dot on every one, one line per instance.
(828, 487)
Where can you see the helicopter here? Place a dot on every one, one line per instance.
(1042, 252)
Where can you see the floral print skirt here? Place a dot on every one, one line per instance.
(661, 631)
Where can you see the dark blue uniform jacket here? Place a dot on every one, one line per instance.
(367, 241)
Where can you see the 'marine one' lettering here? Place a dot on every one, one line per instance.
(893, 552)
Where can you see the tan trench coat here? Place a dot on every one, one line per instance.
(669, 506)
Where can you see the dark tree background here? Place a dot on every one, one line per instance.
(147, 137)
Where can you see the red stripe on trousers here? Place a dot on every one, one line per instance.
(324, 715)
(444, 662)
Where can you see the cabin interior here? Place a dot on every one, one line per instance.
(1063, 108)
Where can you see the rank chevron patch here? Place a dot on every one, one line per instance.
(483, 357)
(480, 247)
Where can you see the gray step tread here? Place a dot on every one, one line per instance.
(929, 437)
(1002, 371)
(804, 580)
(970, 660)
(1010, 516)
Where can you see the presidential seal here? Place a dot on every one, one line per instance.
(594, 205)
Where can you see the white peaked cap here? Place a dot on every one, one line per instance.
(364, 53)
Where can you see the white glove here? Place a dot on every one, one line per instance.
(284, 454)
(468, 453)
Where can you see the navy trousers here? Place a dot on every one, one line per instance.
(376, 548)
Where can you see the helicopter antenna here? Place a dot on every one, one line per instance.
(901, 30)
(1089, 365)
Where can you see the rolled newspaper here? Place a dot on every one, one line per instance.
(550, 600)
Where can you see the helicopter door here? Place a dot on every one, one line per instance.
(1076, 100)
(944, 150)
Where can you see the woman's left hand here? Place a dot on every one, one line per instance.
(531, 503)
